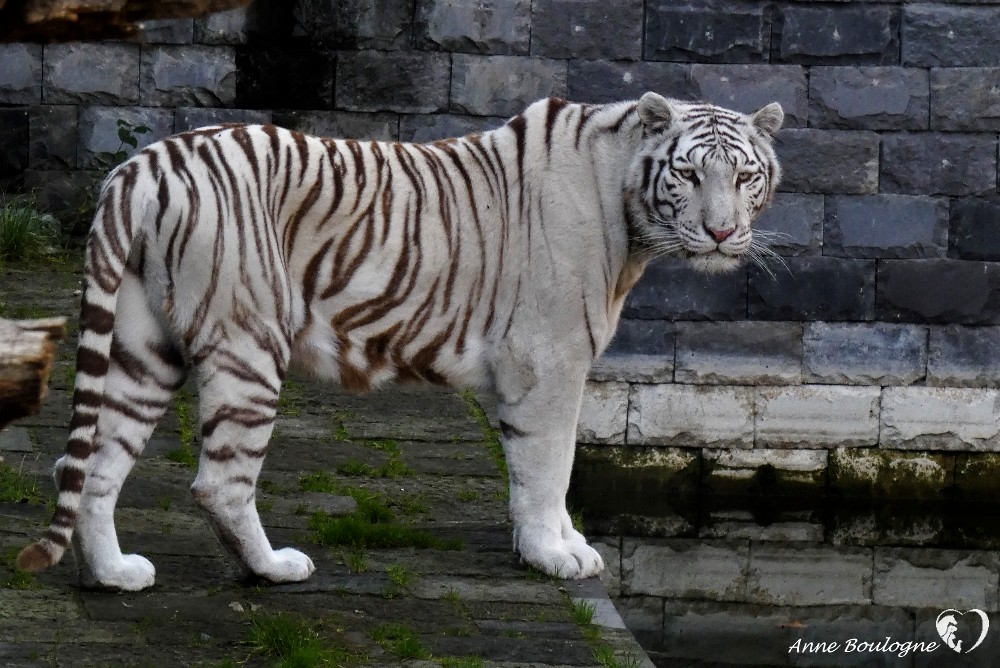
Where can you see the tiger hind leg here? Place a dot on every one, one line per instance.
(143, 374)
(238, 405)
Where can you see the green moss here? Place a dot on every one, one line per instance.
(291, 398)
(11, 577)
(392, 468)
(461, 662)
(468, 495)
(186, 419)
(491, 438)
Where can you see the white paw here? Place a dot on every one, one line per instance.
(133, 572)
(547, 551)
(288, 565)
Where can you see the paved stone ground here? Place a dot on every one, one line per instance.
(473, 606)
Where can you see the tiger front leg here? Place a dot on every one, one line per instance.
(538, 415)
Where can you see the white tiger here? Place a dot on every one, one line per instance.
(497, 260)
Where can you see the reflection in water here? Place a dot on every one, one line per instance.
(794, 575)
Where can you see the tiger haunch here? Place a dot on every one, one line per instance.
(499, 260)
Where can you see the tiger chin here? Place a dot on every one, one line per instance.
(499, 260)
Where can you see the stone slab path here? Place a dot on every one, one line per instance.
(425, 459)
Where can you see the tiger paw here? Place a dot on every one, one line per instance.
(132, 572)
(287, 565)
(553, 555)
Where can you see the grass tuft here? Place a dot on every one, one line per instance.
(491, 436)
(583, 612)
(26, 234)
(16, 487)
(294, 642)
(400, 640)
(186, 418)
(461, 662)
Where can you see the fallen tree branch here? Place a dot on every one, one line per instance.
(68, 20)
(27, 350)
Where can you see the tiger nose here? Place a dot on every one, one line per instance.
(720, 235)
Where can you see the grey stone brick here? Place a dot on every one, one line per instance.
(929, 578)
(229, 27)
(21, 74)
(816, 416)
(925, 628)
(14, 140)
(878, 353)
(755, 635)
(473, 26)
(939, 291)
(53, 137)
(392, 81)
(940, 418)
(743, 353)
(78, 72)
(503, 85)
(602, 81)
(633, 368)
(341, 124)
(828, 161)
(814, 288)
(724, 470)
(672, 290)
(964, 356)
(939, 164)
(262, 78)
(747, 88)
(166, 31)
(587, 29)
(645, 337)
(441, 126)
(897, 226)
(868, 98)
(644, 617)
(188, 76)
(603, 413)
(792, 225)
(712, 570)
(707, 31)
(189, 118)
(974, 232)
(99, 130)
(691, 416)
(62, 191)
(356, 24)
(942, 35)
(966, 98)
(861, 33)
(795, 574)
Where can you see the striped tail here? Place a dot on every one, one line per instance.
(108, 248)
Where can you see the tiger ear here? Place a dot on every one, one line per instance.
(655, 112)
(768, 119)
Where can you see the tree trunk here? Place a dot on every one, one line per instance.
(66, 20)
(27, 349)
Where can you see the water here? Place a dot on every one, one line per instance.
(794, 576)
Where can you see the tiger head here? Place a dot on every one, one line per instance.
(702, 175)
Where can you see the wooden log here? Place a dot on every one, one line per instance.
(27, 350)
(69, 20)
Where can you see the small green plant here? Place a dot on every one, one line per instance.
(583, 612)
(165, 502)
(16, 487)
(13, 578)
(400, 640)
(400, 575)
(25, 233)
(290, 399)
(468, 495)
(108, 160)
(356, 560)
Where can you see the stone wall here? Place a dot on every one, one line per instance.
(878, 329)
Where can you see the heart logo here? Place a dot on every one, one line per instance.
(957, 628)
